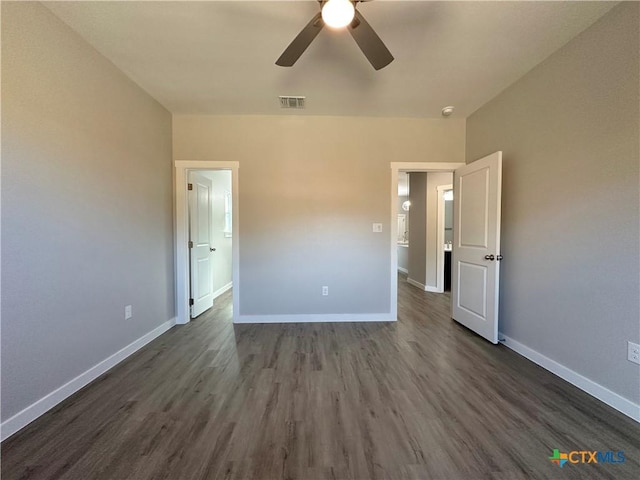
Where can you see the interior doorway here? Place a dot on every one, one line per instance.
(397, 168)
(404, 205)
(444, 244)
(424, 240)
(226, 234)
(210, 237)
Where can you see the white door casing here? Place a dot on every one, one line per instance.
(183, 169)
(476, 246)
(200, 197)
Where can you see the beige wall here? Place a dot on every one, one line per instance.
(86, 207)
(309, 190)
(570, 134)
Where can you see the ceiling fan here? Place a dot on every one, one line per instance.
(339, 14)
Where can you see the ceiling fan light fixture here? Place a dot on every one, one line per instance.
(338, 13)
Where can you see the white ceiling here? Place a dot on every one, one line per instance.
(215, 57)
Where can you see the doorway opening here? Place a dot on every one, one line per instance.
(424, 237)
(207, 253)
(444, 244)
(210, 237)
(417, 234)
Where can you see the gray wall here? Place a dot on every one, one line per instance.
(309, 190)
(86, 207)
(417, 264)
(423, 233)
(448, 221)
(570, 130)
(434, 180)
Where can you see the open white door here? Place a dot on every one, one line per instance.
(476, 245)
(200, 195)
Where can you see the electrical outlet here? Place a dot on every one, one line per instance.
(325, 291)
(377, 227)
(128, 312)
(633, 352)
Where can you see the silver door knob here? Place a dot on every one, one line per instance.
(211, 249)
(489, 257)
(498, 257)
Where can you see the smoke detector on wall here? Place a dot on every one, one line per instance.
(447, 111)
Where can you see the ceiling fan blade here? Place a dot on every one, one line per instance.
(369, 42)
(301, 42)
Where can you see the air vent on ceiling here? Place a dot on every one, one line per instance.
(291, 102)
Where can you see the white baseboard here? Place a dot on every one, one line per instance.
(603, 394)
(223, 289)
(403, 270)
(46, 403)
(311, 318)
(421, 286)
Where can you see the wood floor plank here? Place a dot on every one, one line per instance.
(421, 398)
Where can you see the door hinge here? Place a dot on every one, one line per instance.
(190, 244)
(190, 186)
(191, 302)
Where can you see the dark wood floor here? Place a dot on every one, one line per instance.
(422, 398)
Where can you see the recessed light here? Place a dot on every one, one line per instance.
(447, 111)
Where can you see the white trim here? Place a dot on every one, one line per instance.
(406, 167)
(46, 403)
(317, 317)
(439, 288)
(426, 167)
(603, 394)
(421, 286)
(403, 270)
(222, 289)
(182, 167)
(393, 301)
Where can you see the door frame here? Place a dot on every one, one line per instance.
(181, 236)
(408, 167)
(440, 237)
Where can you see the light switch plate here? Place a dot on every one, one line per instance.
(377, 227)
(128, 312)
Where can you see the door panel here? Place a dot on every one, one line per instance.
(200, 198)
(476, 245)
(474, 190)
(204, 279)
(472, 288)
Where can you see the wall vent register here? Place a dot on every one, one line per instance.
(292, 102)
